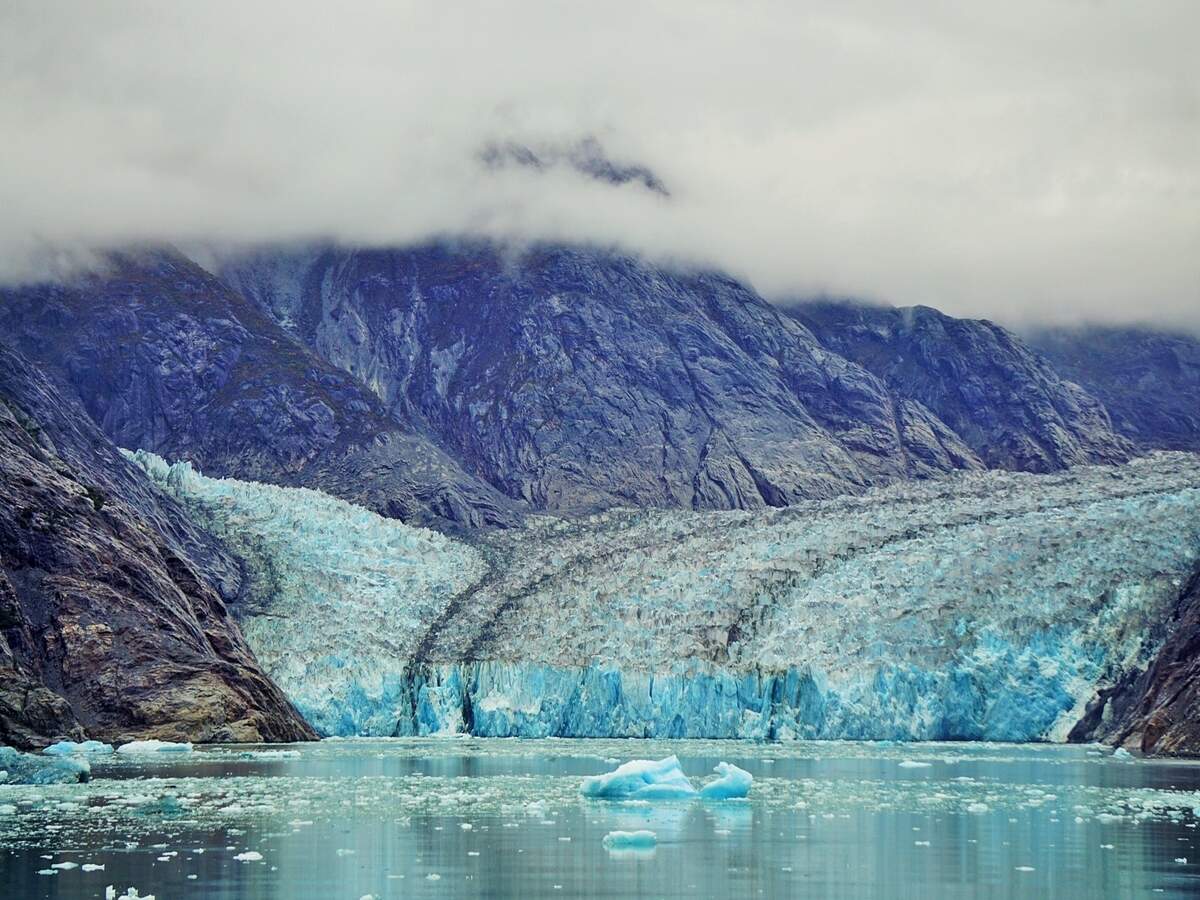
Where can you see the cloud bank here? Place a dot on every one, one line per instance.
(1029, 160)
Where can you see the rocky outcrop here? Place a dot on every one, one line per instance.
(112, 620)
(163, 356)
(1149, 380)
(1004, 401)
(574, 379)
(1156, 710)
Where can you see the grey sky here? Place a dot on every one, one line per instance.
(1033, 158)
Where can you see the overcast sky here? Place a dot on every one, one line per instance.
(1017, 159)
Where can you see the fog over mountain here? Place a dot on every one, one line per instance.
(1028, 162)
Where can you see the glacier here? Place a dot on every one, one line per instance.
(988, 606)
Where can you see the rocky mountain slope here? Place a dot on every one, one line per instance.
(112, 619)
(1004, 400)
(575, 379)
(1148, 380)
(164, 356)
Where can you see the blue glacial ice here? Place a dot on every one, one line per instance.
(642, 839)
(78, 748)
(984, 606)
(31, 768)
(641, 779)
(732, 783)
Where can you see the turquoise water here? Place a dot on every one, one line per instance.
(503, 818)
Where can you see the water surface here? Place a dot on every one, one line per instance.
(497, 818)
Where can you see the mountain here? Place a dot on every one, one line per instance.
(114, 624)
(1007, 403)
(1149, 380)
(165, 357)
(980, 606)
(575, 379)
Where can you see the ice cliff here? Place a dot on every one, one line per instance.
(983, 606)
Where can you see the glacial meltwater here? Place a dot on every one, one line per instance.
(478, 817)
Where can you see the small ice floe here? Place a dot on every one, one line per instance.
(76, 748)
(1182, 860)
(1122, 753)
(155, 746)
(93, 867)
(249, 856)
(630, 840)
(977, 807)
(641, 779)
(914, 764)
(733, 784)
(64, 866)
(433, 876)
(1024, 868)
(131, 893)
(466, 826)
(270, 754)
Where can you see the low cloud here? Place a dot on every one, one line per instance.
(1024, 161)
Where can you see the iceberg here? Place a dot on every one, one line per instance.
(73, 748)
(984, 606)
(30, 768)
(155, 746)
(630, 840)
(641, 779)
(733, 783)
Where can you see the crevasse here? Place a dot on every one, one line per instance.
(984, 606)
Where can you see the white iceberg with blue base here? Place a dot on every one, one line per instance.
(641, 779)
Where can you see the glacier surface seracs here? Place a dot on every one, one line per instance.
(985, 606)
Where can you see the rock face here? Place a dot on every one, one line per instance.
(1158, 709)
(1148, 380)
(575, 379)
(1008, 404)
(111, 609)
(163, 356)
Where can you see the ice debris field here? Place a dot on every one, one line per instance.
(985, 606)
(567, 812)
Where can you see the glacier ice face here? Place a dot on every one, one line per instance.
(641, 779)
(987, 606)
(341, 599)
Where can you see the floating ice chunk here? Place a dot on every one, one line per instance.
(1182, 860)
(1024, 868)
(914, 764)
(93, 867)
(1122, 753)
(249, 856)
(630, 840)
(71, 748)
(734, 783)
(641, 779)
(978, 807)
(154, 746)
(63, 866)
(33, 768)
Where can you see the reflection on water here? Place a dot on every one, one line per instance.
(498, 818)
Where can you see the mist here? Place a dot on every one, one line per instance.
(1029, 162)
